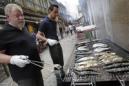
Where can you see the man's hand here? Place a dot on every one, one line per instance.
(52, 42)
(19, 60)
(45, 43)
(40, 36)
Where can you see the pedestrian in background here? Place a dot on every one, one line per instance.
(74, 28)
(71, 29)
(61, 31)
(19, 49)
(67, 30)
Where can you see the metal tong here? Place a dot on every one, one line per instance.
(36, 63)
(122, 82)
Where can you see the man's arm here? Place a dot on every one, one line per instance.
(41, 38)
(4, 59)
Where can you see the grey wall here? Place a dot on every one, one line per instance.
(112, 20)
(98, 15)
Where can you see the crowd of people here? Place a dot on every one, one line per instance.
(71, 29)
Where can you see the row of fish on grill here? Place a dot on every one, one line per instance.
(99, 54)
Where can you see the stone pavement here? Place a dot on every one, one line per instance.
(49, 78)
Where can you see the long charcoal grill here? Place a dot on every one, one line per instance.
(103, 76)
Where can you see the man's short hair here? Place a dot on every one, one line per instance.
(8, 8)
(52, 7)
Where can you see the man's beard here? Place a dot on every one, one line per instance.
(21, 25)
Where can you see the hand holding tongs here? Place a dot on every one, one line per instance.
(36, 63)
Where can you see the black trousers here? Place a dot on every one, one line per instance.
(37, 80)
(57, 54)
(57, 57)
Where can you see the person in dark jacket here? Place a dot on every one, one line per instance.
(19, 49)
(48, 31)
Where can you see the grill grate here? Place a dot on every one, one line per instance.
(102, 73)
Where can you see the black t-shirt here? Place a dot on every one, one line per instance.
(17, 42)
(48, 27)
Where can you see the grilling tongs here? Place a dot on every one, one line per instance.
(36, 63)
